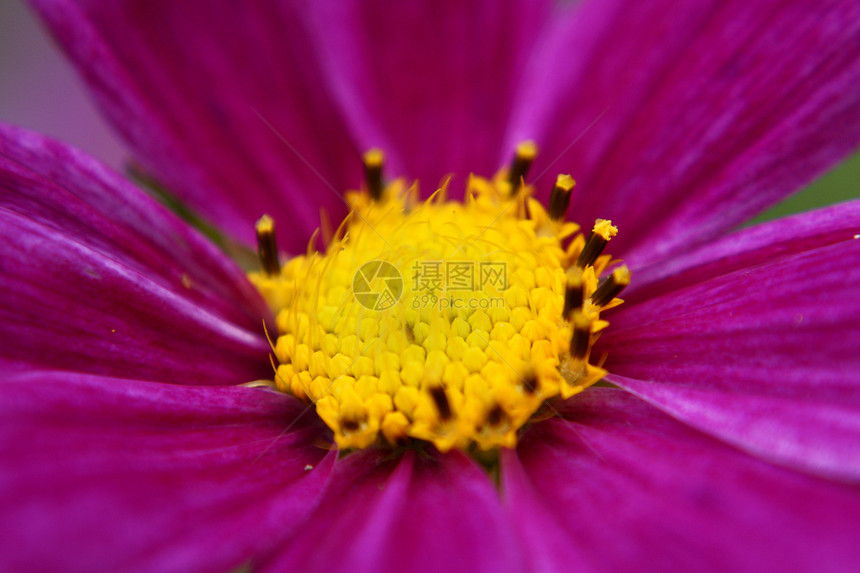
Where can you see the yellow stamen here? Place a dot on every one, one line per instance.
(573, 294)
(523, 158)
(604, 229)
(267, 246)
(559, 199)
(600, 235)
(373, 162)
(612, 286)
(579, 340)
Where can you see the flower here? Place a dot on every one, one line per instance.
(729, 437)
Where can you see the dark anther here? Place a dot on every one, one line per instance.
(495, 416)
(530, 384)
(573, 292)
(373, 161)
(611, 286)
(596, 242)
(559, 199)
(267, 246)
(581, 336)
(441, 401)
(349, 425)
(523, 159)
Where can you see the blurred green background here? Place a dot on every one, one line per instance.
(39, 91)
(841, 184)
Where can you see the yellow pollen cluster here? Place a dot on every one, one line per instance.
(445, 321)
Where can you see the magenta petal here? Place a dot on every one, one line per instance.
(619, 486)
(431, 83)
(822, 436)
(101, 474)
(764, 357)
(747, 248)
(99, 278)
(198, 90)
(413, 512)
(693, 116)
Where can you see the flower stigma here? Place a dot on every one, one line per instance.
(450, 322)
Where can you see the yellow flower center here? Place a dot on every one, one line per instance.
(445, 321)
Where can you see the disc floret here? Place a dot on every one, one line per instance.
(444, 321)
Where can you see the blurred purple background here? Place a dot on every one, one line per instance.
(39, 91)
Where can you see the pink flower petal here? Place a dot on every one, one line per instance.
(98, 278)
(412, 512)
(619, 486)
(764, 357)
(818, 435)
(198, 90)
(747, 248)
(436, 79)
(102, 474)
(703, 113)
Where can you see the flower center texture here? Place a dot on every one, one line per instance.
(452, 322)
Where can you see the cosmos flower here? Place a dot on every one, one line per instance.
(727, 433)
